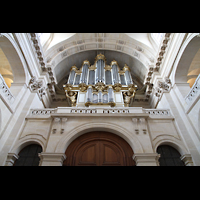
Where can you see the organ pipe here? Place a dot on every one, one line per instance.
(115, 74)
(71, 77)
(89, 95)
(100, 72)
(110, 95)
(128, 75)
(100, 82)
(84, 75)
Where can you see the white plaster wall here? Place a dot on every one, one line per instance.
(5, 116)
(55, 133)
(194, 116)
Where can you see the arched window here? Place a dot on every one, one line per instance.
(28, 156)
(169, 156)
(5, 69)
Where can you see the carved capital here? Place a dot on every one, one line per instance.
(35, 84)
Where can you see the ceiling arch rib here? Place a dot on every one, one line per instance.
(115, 42)
(78, 43)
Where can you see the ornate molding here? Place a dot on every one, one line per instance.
(38, 51)
(42, 62)
(131, 48)
(156, 68)
(162, 87)
(37, 86)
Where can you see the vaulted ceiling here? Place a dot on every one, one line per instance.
(62, 50)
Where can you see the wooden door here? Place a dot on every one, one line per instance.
(99, 149)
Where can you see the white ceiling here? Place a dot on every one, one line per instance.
(141, 37)
(59, 37)
(62, 50)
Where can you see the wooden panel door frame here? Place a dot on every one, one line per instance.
(112, 141)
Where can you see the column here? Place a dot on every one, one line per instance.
(146, 159)
(51, 159)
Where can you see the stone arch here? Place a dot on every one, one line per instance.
(80, 130)
(171, 141)
(27, 141)
(15, 58)
(186, 58)
(183, 61)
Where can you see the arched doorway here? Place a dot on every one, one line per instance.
(169, 156)
(99, 149)
(28, 156)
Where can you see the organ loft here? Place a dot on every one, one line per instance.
(100, 84)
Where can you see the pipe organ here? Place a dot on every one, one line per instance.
(100, 84)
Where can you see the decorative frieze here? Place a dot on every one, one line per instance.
(83, 111)
(42, 111)
(157, 112)
(69, 110)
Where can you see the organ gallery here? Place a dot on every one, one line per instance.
(100, 84)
